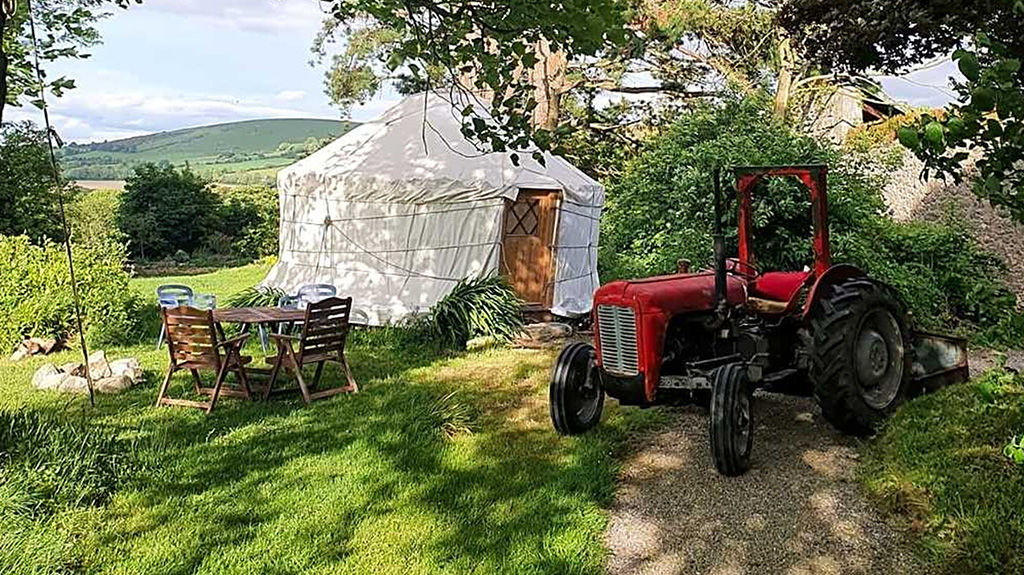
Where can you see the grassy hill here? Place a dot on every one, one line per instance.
(238, 152)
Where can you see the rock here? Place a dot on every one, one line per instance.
(127, 367)
(543, 333)
(113, 384)
(73, 384)
(98, 366)
(34, 346)
(48, 377)
(107, 377)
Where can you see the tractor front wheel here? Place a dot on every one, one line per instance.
(732, 420)
(576, 395)
(860, 355)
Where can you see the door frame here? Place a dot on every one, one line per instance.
(552, 267)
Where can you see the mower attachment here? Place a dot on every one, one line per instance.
(939, 360)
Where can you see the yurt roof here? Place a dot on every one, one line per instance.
(416, 153)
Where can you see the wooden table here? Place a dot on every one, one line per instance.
(248, 316)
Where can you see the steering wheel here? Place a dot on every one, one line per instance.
(746, 270)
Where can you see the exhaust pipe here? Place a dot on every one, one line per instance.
(719, 246)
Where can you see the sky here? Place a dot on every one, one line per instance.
(169, 64)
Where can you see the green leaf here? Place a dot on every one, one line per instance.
(956, 129)
(968, 64)
(983, 100)
(934, 133)
(909, 138)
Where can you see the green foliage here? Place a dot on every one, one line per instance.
(92, 217)
(28, 200)
(988, 118)
(476, 307)
(165, 209)
(453, 416)
(939, 464)
(661, 210)
(1014, 450)
(496, 40)
(36, 299)
(256, 296)
(249, 215)
(892, 35)
(940, 273)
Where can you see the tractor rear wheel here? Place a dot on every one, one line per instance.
(860, 355)
(576, 395)
(732, 420)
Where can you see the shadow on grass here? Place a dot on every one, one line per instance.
(364, 483)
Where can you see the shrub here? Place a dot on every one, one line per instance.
(249, 214)
(661, 209)
(28, 202)
(165, 210)
(476, 307)
(93, 217)
(36, 299)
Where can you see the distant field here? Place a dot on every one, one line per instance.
(238, 152)
(100, 184)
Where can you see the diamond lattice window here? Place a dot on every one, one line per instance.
(522, 218)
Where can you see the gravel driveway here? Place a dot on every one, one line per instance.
(797, 511)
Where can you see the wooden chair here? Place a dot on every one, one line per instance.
(192, 338)
(324, 331)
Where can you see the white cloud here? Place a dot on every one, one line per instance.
(263, 16)
(291, 95)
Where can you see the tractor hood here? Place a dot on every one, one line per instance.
(671, 294)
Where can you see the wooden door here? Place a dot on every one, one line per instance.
(527, 237)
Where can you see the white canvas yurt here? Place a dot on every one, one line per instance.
(398, 210)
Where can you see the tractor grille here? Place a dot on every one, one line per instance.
(616, 328)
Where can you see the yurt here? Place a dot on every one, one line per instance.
(398, 210)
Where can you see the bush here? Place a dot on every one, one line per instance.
(165, 210)
(257, 297)
(249, 214)
(661, 211)
(93, 217)
(476, 307)
(36, 299)
(28, 202)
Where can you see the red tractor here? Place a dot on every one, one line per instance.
(714, 336)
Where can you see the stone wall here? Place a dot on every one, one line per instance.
(909, 198)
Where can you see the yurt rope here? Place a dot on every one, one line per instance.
(50, 134)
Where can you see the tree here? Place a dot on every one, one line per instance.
(988, 38)
(165, 209)
(28, 204)
(64, 29)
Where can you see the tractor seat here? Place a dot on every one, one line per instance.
(778, 286)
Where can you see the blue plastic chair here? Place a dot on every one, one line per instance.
(170, 296)
(313, 293)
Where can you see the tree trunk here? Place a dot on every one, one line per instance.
(786, 65)
(3, 65)
(549, 78)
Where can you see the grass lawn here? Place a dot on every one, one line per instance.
(442, 464)
(939, 464)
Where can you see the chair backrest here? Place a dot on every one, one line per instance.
(288, 302)
(204, 301)
(192, 336)
(313, 293)
(326, 327)
(173, 295)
